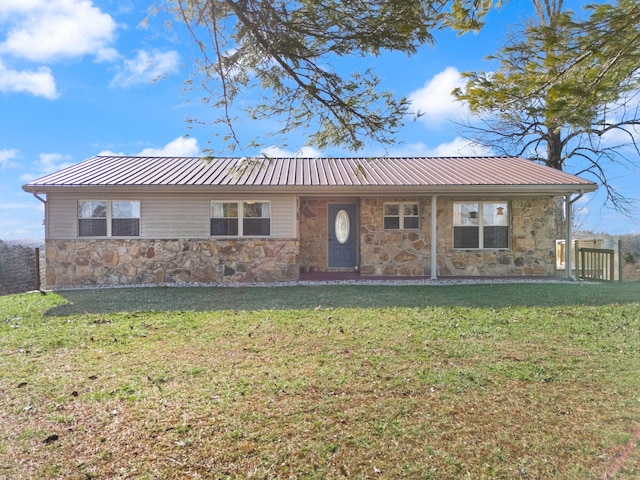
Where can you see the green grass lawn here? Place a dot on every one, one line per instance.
(508, 381)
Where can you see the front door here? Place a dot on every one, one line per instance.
(342, 235)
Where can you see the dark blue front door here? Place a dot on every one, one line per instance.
(342, 235)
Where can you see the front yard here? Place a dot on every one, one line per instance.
(473, 381)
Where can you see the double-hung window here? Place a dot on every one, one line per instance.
(401, 216)
(240, 219)
(480, 225)
(108, 218)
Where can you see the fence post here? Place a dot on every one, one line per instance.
(620, 261)
(577, 253)
(37, 279)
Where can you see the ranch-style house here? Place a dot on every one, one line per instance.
(116, 220)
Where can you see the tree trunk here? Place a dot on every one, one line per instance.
(554, 149)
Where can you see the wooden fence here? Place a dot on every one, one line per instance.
(596, 264)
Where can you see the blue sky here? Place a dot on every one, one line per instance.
(80, 78)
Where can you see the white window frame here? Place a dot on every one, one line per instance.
(109, 217)
(240, 205)
(401, 215)
(478, 221)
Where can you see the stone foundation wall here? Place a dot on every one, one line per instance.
(127, 262)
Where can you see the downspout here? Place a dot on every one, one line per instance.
(568, 270)
(44, 202)
(35, 194)
(434, 240)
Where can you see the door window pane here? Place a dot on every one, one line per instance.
(342, 226)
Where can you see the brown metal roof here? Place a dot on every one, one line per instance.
(353, 174)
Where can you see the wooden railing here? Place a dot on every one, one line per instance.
(596, 264)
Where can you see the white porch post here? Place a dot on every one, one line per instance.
(567, 241)
(568, 257)
(434, 239)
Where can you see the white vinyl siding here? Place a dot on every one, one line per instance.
(175, 216)
(167, 216)
(62, 216)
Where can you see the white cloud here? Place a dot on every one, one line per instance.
(435, 102)
(458, 147)
(48, 30)
(304, 152)
(6, 157)
(39, 82)
(49, 163)
(461, 147)
(146, 67)
(180, 147)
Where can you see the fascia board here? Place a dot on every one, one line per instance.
(319, 190)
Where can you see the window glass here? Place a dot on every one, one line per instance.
(391, 223)
(125, 218)
(465, 214)
(480, 225)
(410, 216)
(466, 237)
(92, 227)
(125, 209)
(401, 216)
(496, 237)
(92, 209)
(224, 209)
(392, 209)
(411, 223)
(92, 218)
(224, 226)
(495, 214)
(224, 219)
(240, 218)
(256, 210)
(125, 227)
(410, 209)
(342, 226)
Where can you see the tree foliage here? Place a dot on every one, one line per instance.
(566, 91)
(290, 48)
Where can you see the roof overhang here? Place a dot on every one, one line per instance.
(520, 190)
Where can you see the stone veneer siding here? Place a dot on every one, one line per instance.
(138, 261)
(393, 252)
(313, 221)
(408, 252)
(532, 249)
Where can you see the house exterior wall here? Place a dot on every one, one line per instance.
(531, 253)
(140, 261)
(174, 245)
(313, 220)
(408, 252)
(393, 252)
(167, 216)
(300, 232)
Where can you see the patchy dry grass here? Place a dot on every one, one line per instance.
(385, 392)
